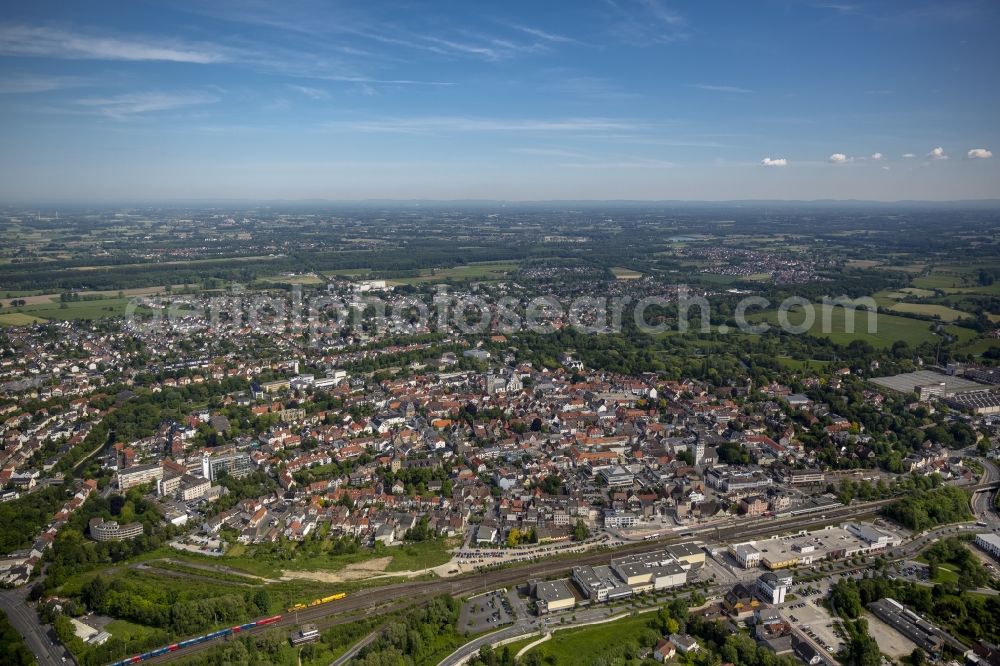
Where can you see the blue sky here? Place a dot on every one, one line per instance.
(623, 99)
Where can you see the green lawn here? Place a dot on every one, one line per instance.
(566, 646)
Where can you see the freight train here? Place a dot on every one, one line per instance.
(200, 639)
(318, 602)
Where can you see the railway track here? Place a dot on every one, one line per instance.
(364, 603)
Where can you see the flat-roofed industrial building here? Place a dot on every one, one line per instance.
(552, 595)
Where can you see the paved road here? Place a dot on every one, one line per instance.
(983, 503)
(420, 591)
(415, 592)
(525, 628)
(24, 619)
(353, 651)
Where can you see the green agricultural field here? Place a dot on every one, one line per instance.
(905, 268)
(937, 281)
(919, 293)
(486, 271)
(981, 346)
(96, 309)
(943, 312)
(566, 646)
(19, 319)
(292, 279)
(622, 273)
(889, 328)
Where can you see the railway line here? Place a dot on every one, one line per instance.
(364, 603)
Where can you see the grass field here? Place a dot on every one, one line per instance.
(622, 273)
(937, 281)
(19, 319)
(905, 268)
(178, 262)
(802, 365)
(96, 309)
(486, 271)
(980, 346)
(135, 634)
(889, 328)
(409, 557)
(293, 279)
(943, 312)
(417, 556)
(566, 646)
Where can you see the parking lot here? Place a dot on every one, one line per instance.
(485, 612)
(815, 622)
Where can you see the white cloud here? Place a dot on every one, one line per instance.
(937, 154)
(722, 89)
(32, 41)
(542, 34)
(621, 164)
(979, 154)
(25, 84)
(909, 155)
(123, 106)
(877, 157)
(310, 92)
(452, 124)
(840, 158)
(774, 162)
(545, 152)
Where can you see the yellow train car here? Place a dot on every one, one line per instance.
(319, 602)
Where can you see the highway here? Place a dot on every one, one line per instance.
(40, 640)
(983, 502)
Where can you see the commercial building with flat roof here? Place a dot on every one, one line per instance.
(990, 543)
(552, 595)
(928, 384)
(831, 543)
(600, 584)
(689, 553)
(649, 571)
(773, 587)
(746, 554)
(979, 402)
(926, 635)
